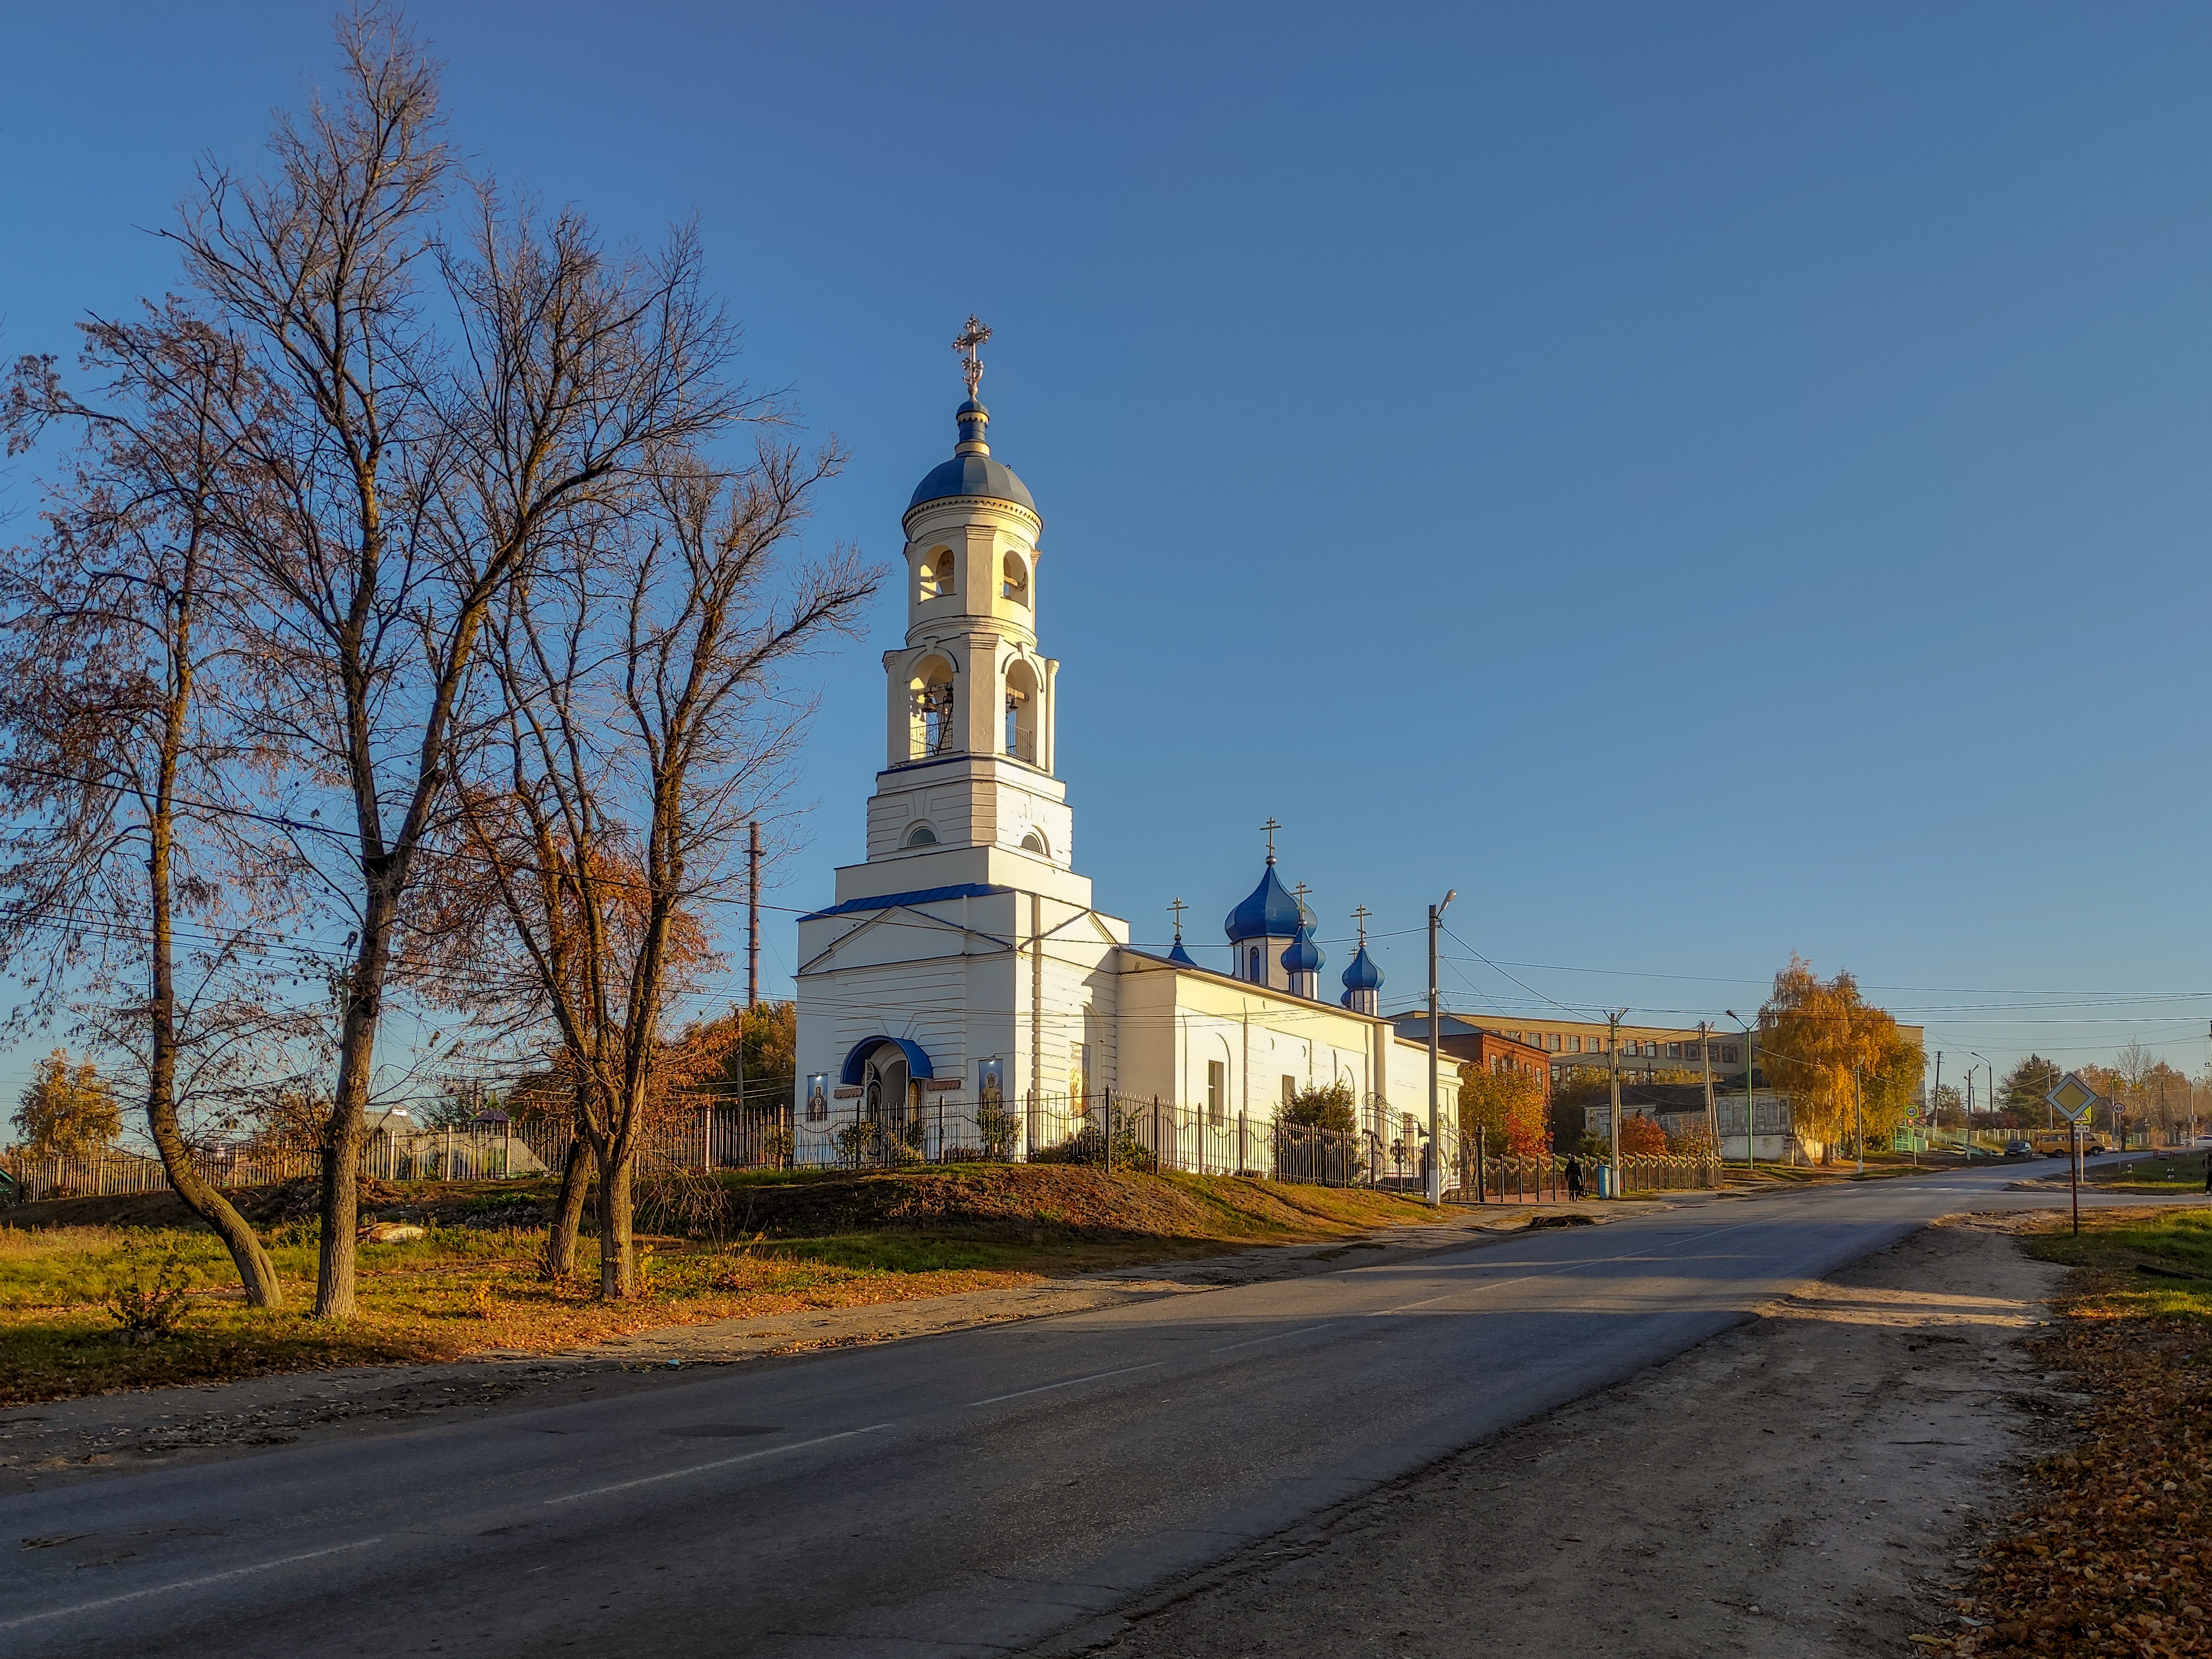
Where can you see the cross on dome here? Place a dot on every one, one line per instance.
(970, 345)
(1270, 826)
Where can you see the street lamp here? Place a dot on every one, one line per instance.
(1992, 1106)
(1750, 1058)
(1436, 1180)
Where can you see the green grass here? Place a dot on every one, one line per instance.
(69, 1266)
(2121, 1242)
(2152, 1172)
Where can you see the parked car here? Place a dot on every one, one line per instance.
(2017, 1148)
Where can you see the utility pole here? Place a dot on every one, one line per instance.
(1612, 1047)
(1750, 1063)
(1935, 1106)
(753, 917)
(1436, 1180)
(1858, 1118)
(1712, 1118)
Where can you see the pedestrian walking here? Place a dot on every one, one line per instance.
(1575, 1177)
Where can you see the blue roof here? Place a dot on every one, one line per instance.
(1180, 954)
(972, 474)
(1362, 974)
(856, 1063)
(892, 901)
(1269, 912)
(1303, 955)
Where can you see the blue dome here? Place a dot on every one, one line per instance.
(1269, 912)
(1303, 955)
(1180, 954)
(974, 473)
(1362, 974)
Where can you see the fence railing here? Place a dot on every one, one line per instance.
(720, 1138)
(1108, 1128)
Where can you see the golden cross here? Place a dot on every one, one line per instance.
(969, 346)
(1360, 917)
(1178, 907)
(1270, 826)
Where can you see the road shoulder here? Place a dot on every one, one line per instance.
(1814, 1482)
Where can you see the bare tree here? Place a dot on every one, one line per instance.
(446, 406)
(121, 754)
(640, 726)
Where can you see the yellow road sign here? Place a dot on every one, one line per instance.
(2072, 1096)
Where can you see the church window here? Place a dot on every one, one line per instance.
(937, 575)
(1252, 967)
(1015, 584)
(1022, 712)
(921, 835)
(1217, 1088)
(1034, 843)
(1290, 1088)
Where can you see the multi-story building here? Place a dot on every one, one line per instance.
(1645, 1050)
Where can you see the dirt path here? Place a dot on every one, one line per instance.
(44, 1445)
(1798, 1486)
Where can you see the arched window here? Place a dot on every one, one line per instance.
(938, 570)
(1022, 711)
(1034, 843)
(1015, 583)
(931, 722)
(1252, 967)
(921, 835)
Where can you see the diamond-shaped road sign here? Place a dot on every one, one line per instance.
(2072, 1096)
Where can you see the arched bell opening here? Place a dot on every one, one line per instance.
(1021, 734)
(931, 730)
(939, 568)
(1014, 579)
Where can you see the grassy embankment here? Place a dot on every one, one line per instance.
(2155, 1173)
(2113, 1552)
(738, 1246)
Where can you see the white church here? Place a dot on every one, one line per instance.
(964, 963)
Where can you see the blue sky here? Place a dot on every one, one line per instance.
(1705, 481)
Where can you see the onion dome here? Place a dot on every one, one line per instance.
(971, 471)
(1303, 955)
(1179, 955)
(1269, 912)
(1362, 974)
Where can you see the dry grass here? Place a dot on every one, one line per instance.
(469, 1289)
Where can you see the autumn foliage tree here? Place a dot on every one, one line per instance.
(68, 1110)
(1835, 1055)
(1506, 1108)
(635, 723)
(136, 885)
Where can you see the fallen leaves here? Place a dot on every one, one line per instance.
(2113, 1555)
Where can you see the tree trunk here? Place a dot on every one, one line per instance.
(255, 1271)
(558, 1266)
(618, 1252)
(341, 1193)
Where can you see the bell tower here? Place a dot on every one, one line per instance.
(968, 793)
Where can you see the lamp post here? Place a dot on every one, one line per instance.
(1612, 1123)
(1992, 1104)
(1436, 1180)
(1750, 1062)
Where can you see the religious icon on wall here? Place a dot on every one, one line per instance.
(991, 1083)
(817, 1096)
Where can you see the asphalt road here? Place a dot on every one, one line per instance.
(979, 1493)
